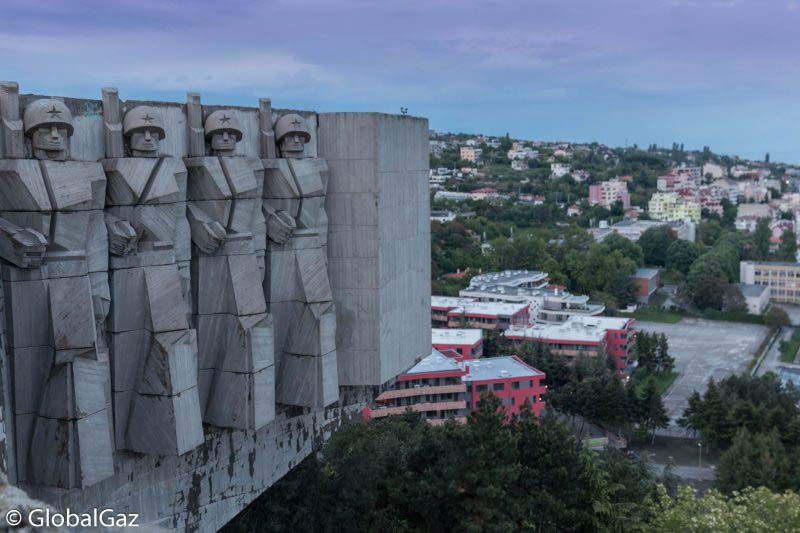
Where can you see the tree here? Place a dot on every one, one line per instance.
(628, 248)
(654, 243)
(729, 210)
(761, 237)
(655, 414)
(776, 317)
(732, 299)
(754, 509)
(787, 251)
(706, 282)
(754, 460)
(681, 254)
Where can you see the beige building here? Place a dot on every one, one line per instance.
(670, 206)
(782, 278)
(470, 153)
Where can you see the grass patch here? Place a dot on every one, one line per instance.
(664, 380)
(789, 348)
(655, 314)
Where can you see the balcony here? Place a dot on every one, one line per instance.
(419, 408)
(421, 391)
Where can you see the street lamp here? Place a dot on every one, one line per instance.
(700, 455)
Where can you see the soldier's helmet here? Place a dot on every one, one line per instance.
(222, 121)
(140, 119)
(45, 113)
(292, 124)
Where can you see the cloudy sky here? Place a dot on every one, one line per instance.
(719, 72)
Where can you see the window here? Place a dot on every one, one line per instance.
(499, 386)
(515, 385)
(481, 388)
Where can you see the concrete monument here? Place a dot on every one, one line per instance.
(54, 251)
(296, 285)
(235, 341)
(153, 348)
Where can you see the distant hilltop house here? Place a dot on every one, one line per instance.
(443, 216)
(669, 206)
(607, 193)
(471, 154)
(748, 215)
(633, 229)
(559, 170)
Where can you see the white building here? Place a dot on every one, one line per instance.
(559, 170)
(452, 195)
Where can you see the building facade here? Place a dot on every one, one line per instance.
(467, 343)
(670, 206)
(782, 278)
(607, 193)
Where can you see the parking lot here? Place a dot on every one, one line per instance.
(703, 349)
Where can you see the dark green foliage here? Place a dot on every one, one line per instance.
(759, 404)
(756, 460)
(401, 474)
(787, 251)
(654, 243)
(681, 254)
(761, 240)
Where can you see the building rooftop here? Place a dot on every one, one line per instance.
(772, 263)
(498, 368)
(490, 308)
(456, 336)
(509, 278)
(576, 328)
(435, 362)
(752, 291)
(449, 302)
(647, 273)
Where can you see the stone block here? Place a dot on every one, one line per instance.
(241, 401)
(310, 381)
(24, 188)
(165, 425)
(76, 185)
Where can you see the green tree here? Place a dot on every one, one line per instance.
(654, 413)
(706, 282)
(729, 210)
(755, 460)
(681, 254)
(628, 248)
(761, 237)
(787, 251)
(753, 509)
(654, 243)
(776, 317)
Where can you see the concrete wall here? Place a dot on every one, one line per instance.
(379, 264)
(379, 242)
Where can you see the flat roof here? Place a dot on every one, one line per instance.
(449, 301)
(575, 328)
(508, 277)
(498, 368)
(435, 362)
(491, 308)
(456, 336)
(773, 263)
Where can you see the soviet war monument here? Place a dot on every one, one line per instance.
(194, 297)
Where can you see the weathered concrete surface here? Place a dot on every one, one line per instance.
(378, 256)
(378, 241)
(204, 489)
(703, 349)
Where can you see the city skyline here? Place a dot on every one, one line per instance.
(715, 72)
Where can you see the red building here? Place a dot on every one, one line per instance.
(646, 280)
(582, 336)
(441, 388)
(467, 343)
(454, 312)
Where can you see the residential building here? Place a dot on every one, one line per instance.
(440, 388)
(670, 206)
(782, 278)
(607, 193)
(714, 171)
(471, 154)
(574, 210)
(467, 313)
(748, 215)
(434, 388)
(510, 379)
(646, 280)
(519, 165)
(756, 297)
(443, 216)
(467, 343)
(452, 195)
(546, 303)
(633, 229)
(522, 154)
(579, 176)
(487, 193)
(559, 170)
(582, 337)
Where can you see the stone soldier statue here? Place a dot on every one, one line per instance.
(234, 331)
(296, 284)
(153, 347)
(54, 250)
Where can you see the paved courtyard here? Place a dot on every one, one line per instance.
(703, 349)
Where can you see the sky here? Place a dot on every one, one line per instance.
(722, 73)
